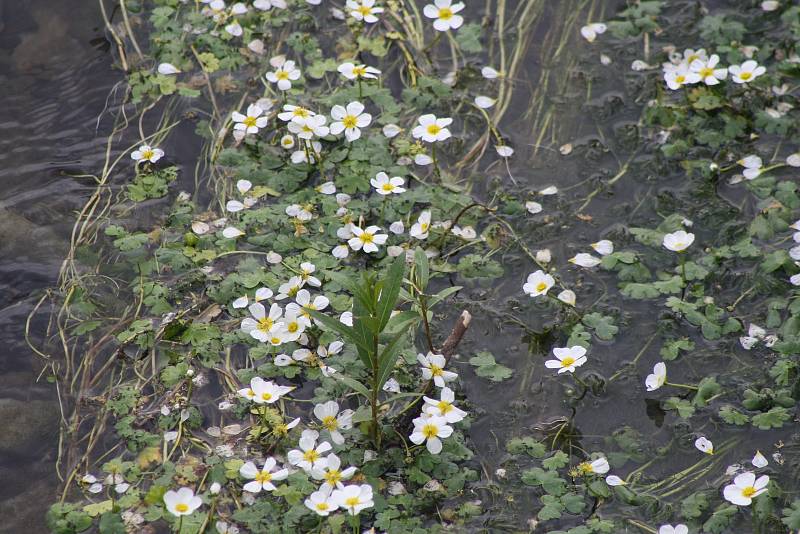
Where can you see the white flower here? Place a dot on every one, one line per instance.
(489, 73)
(678, 241)
(332, 420)
(366, 239)
(759, 460)
(681, 76)
(226, 528)
(292, 113)
(287, 142)
(284, 74)
(568, 358)
(599, 467)
(484, 102)
(234, 28)
(567, 297)
(340, 251)
(538, 283)
(704, 444)
(364, 10)
(310, 127)
(265, 5)
(604, 247)
(770, 5)
(746, 72)
(331, 474)
(657, 378)
(326, 188)
(386, 186)
(420, 229)
(433, 368)
(320, 502)
(423, 160)
(260, 324)
(264, 392)
(182, 502)
(753, 166)
(533, 207)
(262, 480)
(147, 153)
(309, 455)
(243, 186)
(614, 480)
(504, 151)
(444, 14)
(307, 270)
(391, 130)
(585, 260)
(234, 206)
(467, 232)
(302, 213)
(745, 488)
(352, 71)
(353, 498)
(754, 334)
(349, 120)
(444, 406)
(592, 30)
(430, 430)
(549, 190)
(231, 233)
(677, 529)
(167, 69)
(709, 73)
(291, 327)
(431, 129)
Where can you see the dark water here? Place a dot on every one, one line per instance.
(55, 78)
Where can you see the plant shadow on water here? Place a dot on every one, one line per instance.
(599, 154)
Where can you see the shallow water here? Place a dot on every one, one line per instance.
(55, 79)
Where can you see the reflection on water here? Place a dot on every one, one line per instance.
(55, 76)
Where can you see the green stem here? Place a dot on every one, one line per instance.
(684, 386)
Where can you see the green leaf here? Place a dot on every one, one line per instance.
(682, 406)
(389, 291)
(557, 461)
(486, 367)
(774, 418)
(421, 269)
(603, 325)
(352, 383)
(791, 516)
(388, 358)
(340, 328)
(732, 416)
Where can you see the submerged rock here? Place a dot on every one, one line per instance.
(29, 426)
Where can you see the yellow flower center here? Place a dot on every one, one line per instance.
(749, 491)
(330, 422)
(444, 407)
(445, 13)
(434, 129)
(585, 468)
(387, 187)
(281, 429)
(282, 75)
(322, 506)
(332, 477)
(262, 477)
(366, 238)
(692, 58)
(359, 71)
(147, 154)
(680, 78)
(311, 456)
(350, 121)
(745, 75)
(181, 507)
(303, 113)
(293, 327)
(264, 324)
(364, 10)
(266, 396)
(351, 502)
(541, 286)
(424, 226)
(705, 72)
(436, 370)
(251, 393)
(249, 121)
(275, 340)
(430, 431)
(566, 362)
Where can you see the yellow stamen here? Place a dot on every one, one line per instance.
(350, 121)
(446, 13)
(566, 362)
(181, 507)
(430, 431)
(262, 477)
(330, 422)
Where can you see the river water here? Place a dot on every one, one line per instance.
(56, 76)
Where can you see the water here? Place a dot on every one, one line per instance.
(55, 78)
(56, 75)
